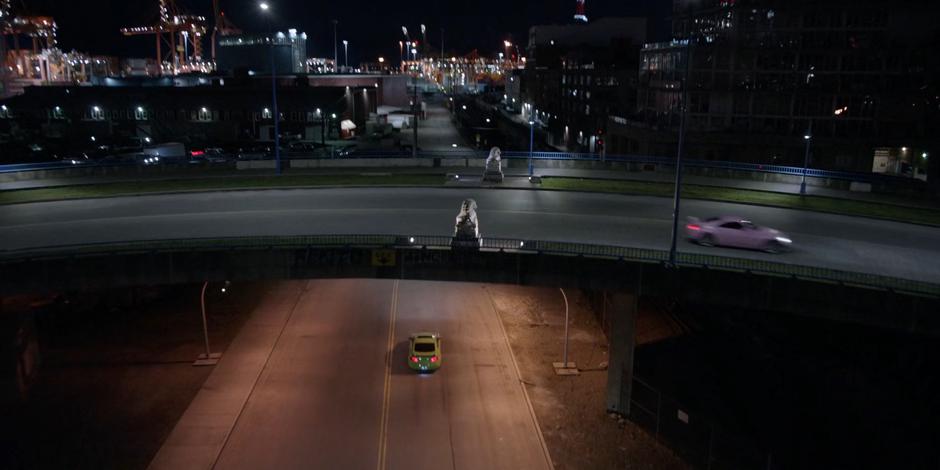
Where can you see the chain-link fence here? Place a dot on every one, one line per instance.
(698, 439)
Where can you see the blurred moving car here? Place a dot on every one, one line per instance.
(424, 352)
(736, 232)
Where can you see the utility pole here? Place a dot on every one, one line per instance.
(677, 195)
(414, 148)
(808, 138)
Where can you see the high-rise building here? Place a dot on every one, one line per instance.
(578, 74)
(858, 77)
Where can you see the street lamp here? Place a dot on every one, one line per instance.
(276, 116)
(808, 137)
(208, 358)
(346, 52)
(677, 191)
(531, 144)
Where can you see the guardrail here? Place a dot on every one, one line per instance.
(512, 245)
(515, 155)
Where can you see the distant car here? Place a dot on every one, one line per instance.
(216, 155)
(424, 352)
(254, 153)
(344, 151)
(736, 232)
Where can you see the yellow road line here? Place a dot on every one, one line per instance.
(386, 394)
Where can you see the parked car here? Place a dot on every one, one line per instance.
(254, 153)
(736, 232)
(424, 352)
(344, 151)
(209, 155)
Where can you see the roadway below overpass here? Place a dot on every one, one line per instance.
(318, 378)
(837, 242)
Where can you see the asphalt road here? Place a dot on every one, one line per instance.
(329, 398)
(832, 241)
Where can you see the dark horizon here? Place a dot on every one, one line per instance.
(93, 27)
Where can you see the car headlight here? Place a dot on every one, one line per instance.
(783, 240)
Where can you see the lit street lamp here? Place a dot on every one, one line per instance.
(677, 194)
(808, 137)
(208, 358)
(276, 116)
(531, 144)
(346, 52)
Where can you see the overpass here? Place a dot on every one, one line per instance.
(843, 268)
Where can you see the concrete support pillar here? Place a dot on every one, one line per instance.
(622, 315)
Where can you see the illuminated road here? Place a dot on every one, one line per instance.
(324, 396)
(825, 240)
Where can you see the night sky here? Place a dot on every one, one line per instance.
(372, 28)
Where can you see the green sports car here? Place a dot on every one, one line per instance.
(424, 352)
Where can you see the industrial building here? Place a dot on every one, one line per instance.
(252, 53)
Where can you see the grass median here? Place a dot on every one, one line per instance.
(213, 184)
(746, 196)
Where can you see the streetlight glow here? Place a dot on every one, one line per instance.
(264, 6)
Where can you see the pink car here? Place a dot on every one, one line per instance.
(736, 232)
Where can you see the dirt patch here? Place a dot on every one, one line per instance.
(116, 374)
(571, 409)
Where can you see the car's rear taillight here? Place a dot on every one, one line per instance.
(693, 227)
(414, 359)
(433, 358)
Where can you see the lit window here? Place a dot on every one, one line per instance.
(204, 115)
(96, 113)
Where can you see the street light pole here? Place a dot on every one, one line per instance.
(208, 358)
(808, 138)
(346, 53)
(565, 357)
(565, 367)
(414, 148)
(276, 116)
(677, 194)
(531, 144)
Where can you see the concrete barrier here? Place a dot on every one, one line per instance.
(256, 165)
(363, 162)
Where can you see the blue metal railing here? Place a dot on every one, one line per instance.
(518, 155)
